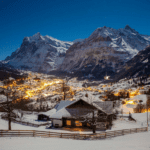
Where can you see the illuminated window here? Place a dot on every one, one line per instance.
(88, 124)
(78, 124)
(68, 122)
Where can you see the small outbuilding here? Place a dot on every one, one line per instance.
(43, 117)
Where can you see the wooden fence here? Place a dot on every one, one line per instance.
(27, 123)
(102, 135)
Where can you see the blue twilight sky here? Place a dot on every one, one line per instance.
(67, 20)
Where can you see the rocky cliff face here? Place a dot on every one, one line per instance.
(105, 51)
(39, 53)
(138, 66)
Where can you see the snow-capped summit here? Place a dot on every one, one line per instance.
(39, 53)
(105, 50)
(127, 27)
(35, 37)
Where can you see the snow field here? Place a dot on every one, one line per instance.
(138, 141)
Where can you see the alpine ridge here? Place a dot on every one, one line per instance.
(105, 51)
(39, 53)
(138, 66)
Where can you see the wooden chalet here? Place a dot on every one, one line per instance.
(80, 113)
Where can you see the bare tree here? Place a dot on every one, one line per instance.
(40, 100)
(63, 90)
(13, 101)
(109, 95)
(66, 90)
(140, 107)
(148, 102)
(91, 120)
(8, 106)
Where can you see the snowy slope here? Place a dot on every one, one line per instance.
(146, 37)
(39, 53)
(105, 50)
(139, 65)
(6, 71)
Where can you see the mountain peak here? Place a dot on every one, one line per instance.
(102, 32)
(39, 53)
(37, 35)
(127, 27)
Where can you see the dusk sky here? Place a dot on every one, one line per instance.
(67, 20)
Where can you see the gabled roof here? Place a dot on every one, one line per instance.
(85, 102)
(63, 104)
(58, 107)
(61, 109)
(49, 113)
(106, 106)
(63, 112)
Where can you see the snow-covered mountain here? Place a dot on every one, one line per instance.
(105, 50)
(138, 66)
(39, 53)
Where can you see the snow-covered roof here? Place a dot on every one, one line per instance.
(50, 112)
(59, 110)
(63, 104)
(106, 106)
(61, 113)
(142, 97)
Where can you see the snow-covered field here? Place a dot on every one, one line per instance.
(119, 124)
(124, 123)
(17, 126)
(137, 141)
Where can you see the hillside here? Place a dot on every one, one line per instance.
(7, 71)
(139, 65)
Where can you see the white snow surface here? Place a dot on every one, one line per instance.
(137, 141)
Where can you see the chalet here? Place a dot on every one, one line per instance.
(80, 113)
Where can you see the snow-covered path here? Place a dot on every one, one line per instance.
(138, 141)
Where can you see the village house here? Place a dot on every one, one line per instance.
(81, 113)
